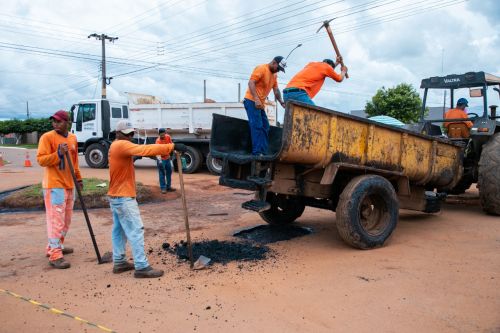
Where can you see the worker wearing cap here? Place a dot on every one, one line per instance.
(164, 164)
(262, 80)
(308, 82)
(458, 113)
(127, 223)
(58, 185)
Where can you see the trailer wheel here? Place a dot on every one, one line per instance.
(489, 176)
(284, 209)
(193, 158)
(214, 165)
(96, 156)
(367, 211)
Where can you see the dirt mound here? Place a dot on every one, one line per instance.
(220, 251)
(265, 234)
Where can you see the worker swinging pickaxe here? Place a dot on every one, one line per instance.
(326, 24)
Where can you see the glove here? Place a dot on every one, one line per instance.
(180, 147)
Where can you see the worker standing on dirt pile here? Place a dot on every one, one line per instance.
(58, 185)
(127, 223)
(458, 113)
(308, 82)
(164, 164)
(263, 79)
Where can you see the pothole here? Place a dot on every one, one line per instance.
(265, 234)
(219, 251)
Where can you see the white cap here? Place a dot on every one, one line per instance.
(125, 127)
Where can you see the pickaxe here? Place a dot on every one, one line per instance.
(326, 24)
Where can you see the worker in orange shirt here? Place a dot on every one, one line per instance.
(127, 223)
(164, 164)
(262, 80)
(458, 113)
(58, 185)
(308, 82)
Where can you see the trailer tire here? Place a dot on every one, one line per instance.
(367, 212)
(284, 209)
(489, 176)
(96, 156)
(194, 160)
(214, 165)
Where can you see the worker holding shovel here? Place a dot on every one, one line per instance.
(127, 223)
(58, 186)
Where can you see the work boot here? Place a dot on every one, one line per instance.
(171, 189)
(60, 263)
(66, 250)
(148, 272)
(163, 191)
(122, 267)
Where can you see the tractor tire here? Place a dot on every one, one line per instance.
(194, 160)
(96, 156)
(214, 165)
(284, 209)
(367, 212)
(489, 176)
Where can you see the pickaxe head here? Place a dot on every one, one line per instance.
(325, 24)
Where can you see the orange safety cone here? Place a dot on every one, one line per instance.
(1, 160)
(27, 162)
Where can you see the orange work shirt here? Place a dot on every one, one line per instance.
(265, 80)
(48, 157)
(457, 114)
(121, 165)
(167, 140)
(312, 77)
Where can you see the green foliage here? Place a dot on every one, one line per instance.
(401, 102)
(41, 126)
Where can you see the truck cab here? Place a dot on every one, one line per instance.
(93, 123)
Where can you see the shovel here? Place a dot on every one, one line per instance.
(184, 207)
(107, 256)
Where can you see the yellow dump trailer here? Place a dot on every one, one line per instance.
(363, 170)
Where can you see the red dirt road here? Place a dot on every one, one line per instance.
(438, 273)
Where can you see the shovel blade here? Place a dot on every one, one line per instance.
(201, 263)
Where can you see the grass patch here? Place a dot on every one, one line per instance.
(31, 197)
(28, 146)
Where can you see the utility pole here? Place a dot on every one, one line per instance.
(105, 80)
(442, 73)
(204, 91)
(27, 111)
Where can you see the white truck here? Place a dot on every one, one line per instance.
(189, 123)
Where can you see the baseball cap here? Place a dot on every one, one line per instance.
(330, 62)
(161, 130)
(60, 115)
(463, 101)
(281, 63)
(125, 127)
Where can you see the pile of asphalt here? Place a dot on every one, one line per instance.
(266, 234)
(219, 251)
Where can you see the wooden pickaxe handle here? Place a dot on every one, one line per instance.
(334, 43)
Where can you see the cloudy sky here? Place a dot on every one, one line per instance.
(168, 47)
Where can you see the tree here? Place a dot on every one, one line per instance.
(401, 102)
(18, 127)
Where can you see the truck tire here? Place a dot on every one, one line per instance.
(284, 209)
(367, 212)
(214, 165)
(96, 156)
(194, 160)
(489, 176)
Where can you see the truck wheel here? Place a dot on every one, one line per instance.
(367, 211)
(193, 158)
(284, 209)
(489, 176)
(214, 165)
(96, 156)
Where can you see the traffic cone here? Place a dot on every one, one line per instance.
(1, 160)
(27, 162)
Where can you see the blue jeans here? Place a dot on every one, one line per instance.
(127, 224)
(165, 171)
(300, 96)
(259, 127)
